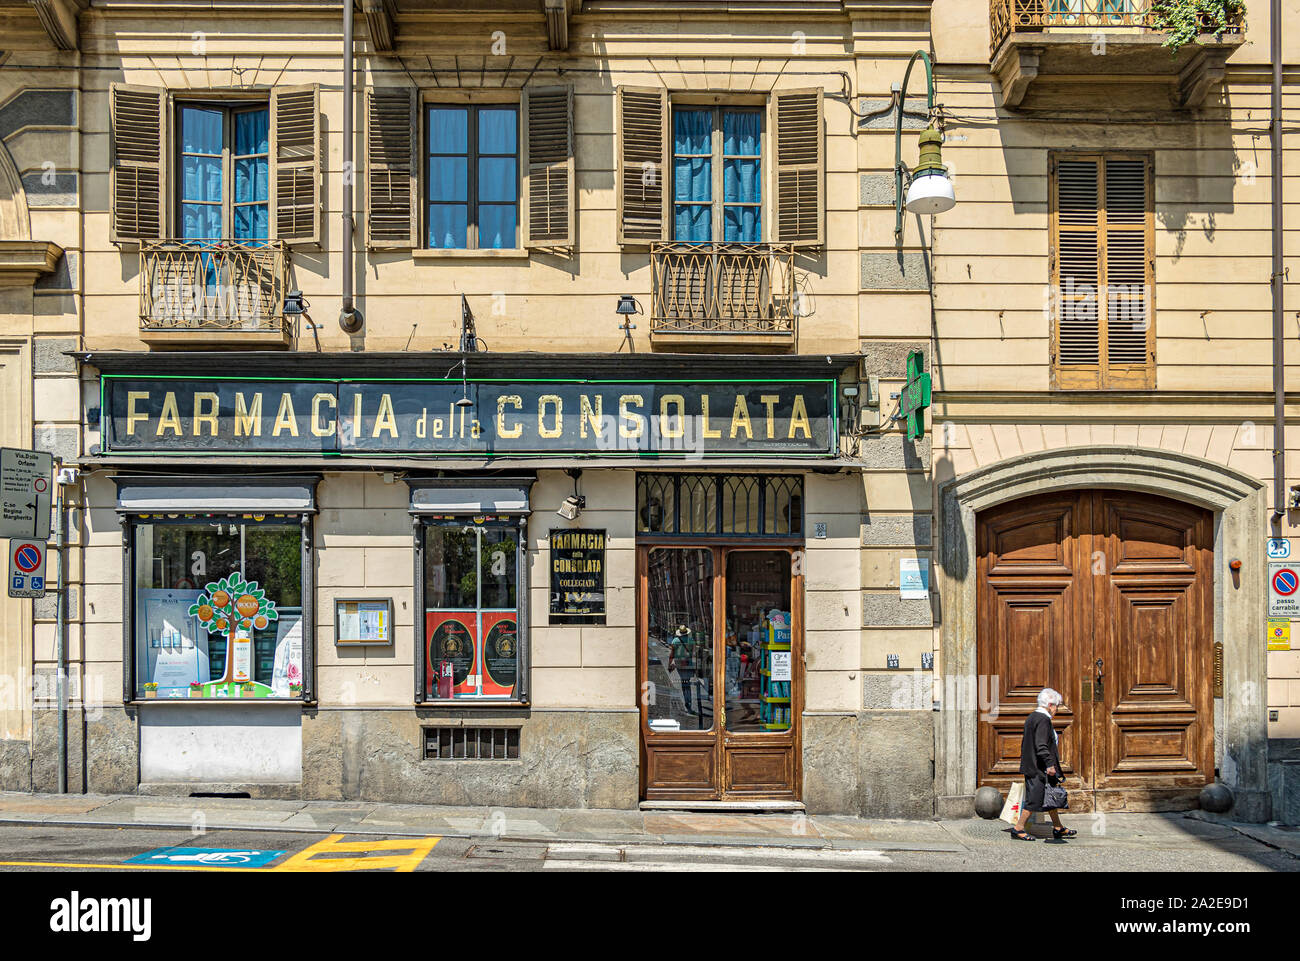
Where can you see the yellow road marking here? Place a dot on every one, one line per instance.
(307, 859)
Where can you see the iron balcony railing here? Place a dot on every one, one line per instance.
(1025, 16)
(213, 285)
(720, 288)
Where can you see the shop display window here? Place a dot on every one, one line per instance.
(218, 604)
(471, 608)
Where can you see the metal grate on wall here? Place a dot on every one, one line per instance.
(471, 743)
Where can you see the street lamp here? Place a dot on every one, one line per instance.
(929, 188)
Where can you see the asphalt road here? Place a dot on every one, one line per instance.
(975, 846)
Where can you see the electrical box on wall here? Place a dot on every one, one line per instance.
(869, 414)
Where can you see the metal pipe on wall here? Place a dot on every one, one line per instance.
(1279, 362)
(349, 319)
(60, 632)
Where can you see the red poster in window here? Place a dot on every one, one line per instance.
(500, 653)
(452, 638)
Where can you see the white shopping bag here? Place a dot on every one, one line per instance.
(1015, 798)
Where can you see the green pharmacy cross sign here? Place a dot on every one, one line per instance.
(915, 397)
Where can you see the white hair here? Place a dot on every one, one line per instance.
(1047, 697)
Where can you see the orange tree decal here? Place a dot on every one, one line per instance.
(229, 604)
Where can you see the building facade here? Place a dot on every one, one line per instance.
(577, 482)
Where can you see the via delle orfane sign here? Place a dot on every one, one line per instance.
(182, 414)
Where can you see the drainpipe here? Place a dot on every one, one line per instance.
(349, 318)
(1279, 369)
(60, 631)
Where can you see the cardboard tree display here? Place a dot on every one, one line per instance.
(229, 606)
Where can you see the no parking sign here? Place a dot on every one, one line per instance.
(1283, 589)
(26, 568)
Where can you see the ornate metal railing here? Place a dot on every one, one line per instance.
(213, 285)
(722, 288)
(1024, 16)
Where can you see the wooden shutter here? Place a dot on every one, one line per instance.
(548, 207)
(1103, 330)
(641, 168)
(295, 165)
(800, 167)
(139, 137)
(392, 218)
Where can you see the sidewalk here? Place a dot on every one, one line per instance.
(816, 832)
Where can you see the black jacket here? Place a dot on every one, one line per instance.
(1038, 747)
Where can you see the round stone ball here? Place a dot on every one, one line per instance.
(1216, 798)
(988, 802)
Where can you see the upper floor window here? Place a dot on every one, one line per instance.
(472, 177)
(717, 175)
(1102, 262)
(224, 159)
(229, 167)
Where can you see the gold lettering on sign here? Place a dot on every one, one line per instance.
(248, 420)
(542, 403)
(770, 401)
(799, 418)
(385, 419)
(422, 425)
(356, 415)
(704, 408)
(587, 415)
(626, 415)
(285, 418)
(317, 428)
(664, 417)
(201, 416)
(740, 418)
(170, 419)
(515, 401)
(131, 414)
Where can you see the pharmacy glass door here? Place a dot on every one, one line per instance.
(720, 664)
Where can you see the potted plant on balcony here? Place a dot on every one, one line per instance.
(1182, 21)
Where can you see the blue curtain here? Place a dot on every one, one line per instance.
(692, 175)
(251, 175)
(742, 177)
(498, 177)
(201, 180)
(448, 192)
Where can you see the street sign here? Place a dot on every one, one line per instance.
(1283, 589)
(206, 857)
(26, 568)
(915, 397)
(1279, 634)
(25, 482)
(1279, 548)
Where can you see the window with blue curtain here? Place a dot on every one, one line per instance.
(705, 139)
(472, 177)
(225, 175)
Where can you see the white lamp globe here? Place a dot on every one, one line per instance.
(930, 193)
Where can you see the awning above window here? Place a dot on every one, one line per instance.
(505, 495)
(183, 495)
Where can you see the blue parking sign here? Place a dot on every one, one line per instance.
(18, 582)
(38, 583)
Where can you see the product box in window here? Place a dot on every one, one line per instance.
(452, 638)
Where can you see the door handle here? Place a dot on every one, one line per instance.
(1099, 691)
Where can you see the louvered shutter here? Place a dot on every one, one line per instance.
(295, 164)
(800, 167)
(548, 207)
(138, 189)
(392, 218)
(641, 168)
(1129, 328)
(1077, 275)
(1101, 271)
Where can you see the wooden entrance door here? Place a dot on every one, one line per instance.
(720, 657)
(1106, 597)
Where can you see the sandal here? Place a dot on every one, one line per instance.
(1063, 833)
(1021, 835)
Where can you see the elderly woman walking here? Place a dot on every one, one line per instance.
(1040, 763)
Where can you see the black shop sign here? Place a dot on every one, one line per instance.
(577, 577)
(444, 417)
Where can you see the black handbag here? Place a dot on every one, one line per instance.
(1055, 798)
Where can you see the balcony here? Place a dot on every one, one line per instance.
(711, 295)
(1040, 49)
(214, 294)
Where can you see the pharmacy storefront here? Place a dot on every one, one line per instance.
(511, 585)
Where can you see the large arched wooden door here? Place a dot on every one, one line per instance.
(1107, 597)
